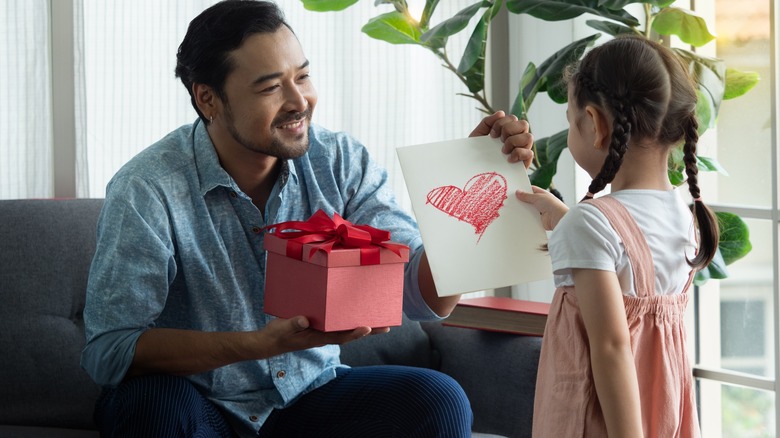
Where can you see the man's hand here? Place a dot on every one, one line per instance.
(294, 334)
(186, 352)
(551, 208)
(515, 134)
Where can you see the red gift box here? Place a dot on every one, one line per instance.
(339, 275)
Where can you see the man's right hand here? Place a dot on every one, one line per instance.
(294, 334)
(186, 352)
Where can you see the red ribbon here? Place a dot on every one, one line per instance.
(326, 234)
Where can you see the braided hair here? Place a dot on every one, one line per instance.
(650, 95)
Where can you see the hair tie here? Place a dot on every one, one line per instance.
(697, 199)
(589, 195)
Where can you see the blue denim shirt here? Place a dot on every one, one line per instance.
(181, 246)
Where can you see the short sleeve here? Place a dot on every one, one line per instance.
(584, 239)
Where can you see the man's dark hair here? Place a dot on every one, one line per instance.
(203, 58)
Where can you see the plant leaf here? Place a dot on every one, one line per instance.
(437, 37)
(327, 5)
(392, 27)
(705, 111)
(620, 4)
(472, 63)
(548, 150)
(710, 77)
(710, 165)
(715, 270)
(687, 25)
(611, 28)
(734, 244)
(520, 106)
(739, 82)
(558, 10)
(676, 166)
(676, 176)
(734, 237)
(430, 7)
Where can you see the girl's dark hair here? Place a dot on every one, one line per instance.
(651, 96)
(203, 55)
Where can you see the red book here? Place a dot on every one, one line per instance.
(500, 314)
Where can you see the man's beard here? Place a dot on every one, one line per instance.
(277, 148)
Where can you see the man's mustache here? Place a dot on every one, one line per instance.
(288, 118)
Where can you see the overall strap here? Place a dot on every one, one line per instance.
(638, 251)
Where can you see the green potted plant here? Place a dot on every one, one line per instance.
(715, 81)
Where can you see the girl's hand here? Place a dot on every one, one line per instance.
(551, 208)
(514, 134)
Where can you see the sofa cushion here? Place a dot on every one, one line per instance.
(406, 344)
(496, 370)
(43, 276)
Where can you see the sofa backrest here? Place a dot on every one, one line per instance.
(46, 247)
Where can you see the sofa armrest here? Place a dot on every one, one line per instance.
(497, 371)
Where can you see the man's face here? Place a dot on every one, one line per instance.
(269, 96)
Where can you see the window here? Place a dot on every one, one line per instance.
(124, 95)
(737, 318)
(380, 93)
(25, 104)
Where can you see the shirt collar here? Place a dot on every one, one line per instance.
(211, 173)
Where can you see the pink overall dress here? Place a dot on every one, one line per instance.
(566, 404)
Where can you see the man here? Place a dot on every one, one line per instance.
(176, 331)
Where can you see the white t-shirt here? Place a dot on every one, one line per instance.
(584, 239)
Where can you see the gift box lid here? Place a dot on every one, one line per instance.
(333, 242)
(336, 257)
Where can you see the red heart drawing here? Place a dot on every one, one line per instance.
(477, 204)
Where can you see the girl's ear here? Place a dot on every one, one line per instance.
(602, 130)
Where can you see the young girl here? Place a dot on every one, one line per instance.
(614, 359)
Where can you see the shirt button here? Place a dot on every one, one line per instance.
(257, 230)
(281, 374)
(253, 418)
(233, 195)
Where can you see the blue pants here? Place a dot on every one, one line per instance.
(380, 401)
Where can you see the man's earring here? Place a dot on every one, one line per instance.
(211, 120)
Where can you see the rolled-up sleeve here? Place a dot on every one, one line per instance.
(127, 289)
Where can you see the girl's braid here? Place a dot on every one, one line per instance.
(621, 134)
(689, 157)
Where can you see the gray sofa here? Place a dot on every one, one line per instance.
(45, 252)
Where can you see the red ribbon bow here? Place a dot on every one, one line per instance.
(326, 234)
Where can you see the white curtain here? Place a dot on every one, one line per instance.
(25, 100)
(385, 95)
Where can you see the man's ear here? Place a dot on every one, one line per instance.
(205, 99)
(602, 130)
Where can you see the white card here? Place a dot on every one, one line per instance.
(476, 233)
